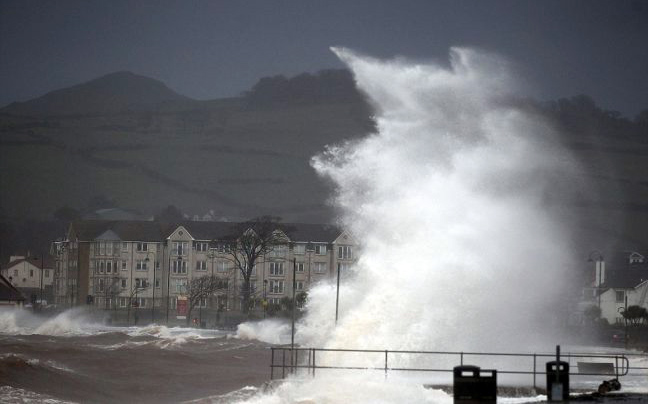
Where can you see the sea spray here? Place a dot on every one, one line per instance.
(449, 199)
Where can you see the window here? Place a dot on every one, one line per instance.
(320, 249)
(47, 273)
(276, 268)
(142, 246)
(109, 267)
(202, 303)
(319, 266)
(124, 265)
(157, 265)
(223, 248)
(344, 252)
(124, 246)
(123, 283)
(139, 302)
(157, 283)
(275, 301)
(278, 251)
(300, 285)
(201, 246)
(180, 248)
(140, 283)
(101, 285)
(123, 302)
(180, 285)
(222, 266)
(620, 296)
(31, 273)
(276, 286)
(299, 248)
(102, 248)
(179, 267)
(201, 265)
(15, 272)
(300, 267)
(141, 265)
(222, 284)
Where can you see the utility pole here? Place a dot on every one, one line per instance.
(337, 293)
(294, 298)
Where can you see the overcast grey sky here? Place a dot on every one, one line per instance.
(212, 49)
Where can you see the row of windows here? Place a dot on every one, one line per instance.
(31, 273)
(181, 248)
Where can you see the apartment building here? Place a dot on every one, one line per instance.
(144, 267)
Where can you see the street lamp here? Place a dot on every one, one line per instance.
(147, 259)
(265, 299)
(597, 257)
(337, 293)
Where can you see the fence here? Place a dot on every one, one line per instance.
(289, 360)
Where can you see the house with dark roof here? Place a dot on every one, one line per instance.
(32, 276)
(143, 268)
(620, 281)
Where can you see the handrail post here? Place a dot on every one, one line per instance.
(386, 352)
(535, 367)
(283, 364)
(314, 367)
(272, 364)
(461, 361)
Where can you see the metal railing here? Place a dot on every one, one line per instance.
(289, 361)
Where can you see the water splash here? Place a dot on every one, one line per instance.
(271, 331)
(460, 250)
(69, 323)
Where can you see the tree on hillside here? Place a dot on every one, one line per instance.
(253, 240)
(198, 290)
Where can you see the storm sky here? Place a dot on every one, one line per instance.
(214, 49)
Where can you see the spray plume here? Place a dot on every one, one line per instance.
(447, 198)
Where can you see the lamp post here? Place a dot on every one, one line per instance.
(42, 270)
(265, 299)
(147, 259)
(596, 257)
(294, 298)
(337, 293)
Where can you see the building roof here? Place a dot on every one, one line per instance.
(150, 231)
(626, 276)
(45, 263)
(8, 292)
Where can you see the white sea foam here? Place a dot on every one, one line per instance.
(459, 248)
(14, 395)
(454, 200)
(271, 331)
(69, 323)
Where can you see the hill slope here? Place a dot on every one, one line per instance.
(115, 92)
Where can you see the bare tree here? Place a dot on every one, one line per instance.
(198, 289)
(253, 240)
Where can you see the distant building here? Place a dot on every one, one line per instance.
(145, 265)
(32, 276)
(624, 275)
